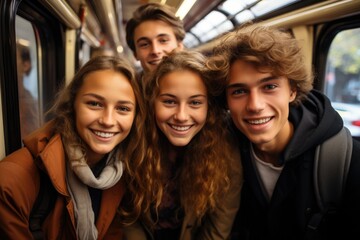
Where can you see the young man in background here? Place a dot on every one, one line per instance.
(152, 33)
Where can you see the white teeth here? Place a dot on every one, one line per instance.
(104, 134)
(155, 62)
(259, 121)
(180, 128)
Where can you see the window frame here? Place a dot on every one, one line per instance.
(49, 34)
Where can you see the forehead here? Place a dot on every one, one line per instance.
(107, 83)
(152, 29)
(181, 81)
(240, 69)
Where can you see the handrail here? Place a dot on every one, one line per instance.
(108, 15)
(64, 12)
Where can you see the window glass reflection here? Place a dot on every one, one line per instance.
(27, 77)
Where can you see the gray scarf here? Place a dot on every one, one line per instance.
(79, 177)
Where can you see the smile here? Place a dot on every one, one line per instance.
(259, 121)
(180, 128)
(104, 134)
(155, 62)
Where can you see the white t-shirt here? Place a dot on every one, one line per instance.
(267, 173)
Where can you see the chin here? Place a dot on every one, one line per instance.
(180, 143)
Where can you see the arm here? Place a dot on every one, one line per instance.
(19, 184)
(217, 225)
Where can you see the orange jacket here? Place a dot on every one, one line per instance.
(19, 186)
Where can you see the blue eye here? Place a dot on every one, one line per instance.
(270, 86)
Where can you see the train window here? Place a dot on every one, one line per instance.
(342, 77)
(229, 14)
(244, 16)
(27, 72)
(267, 6)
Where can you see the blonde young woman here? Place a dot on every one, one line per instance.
(92, 152)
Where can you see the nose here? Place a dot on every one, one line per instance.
(107, 118)
(181, 114)
(255, 102)
(155, 48)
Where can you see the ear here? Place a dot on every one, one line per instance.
(180, 46)
(293, 94)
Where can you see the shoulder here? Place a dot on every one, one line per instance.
(38, 140)
(19, 179)
(16, 162)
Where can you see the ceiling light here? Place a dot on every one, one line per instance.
(184, 8)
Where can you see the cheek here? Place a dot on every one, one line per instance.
(171, 47)
(140, 54)
(126, 121)
(232, 105)
(161, 113)
(83, 114)
(202, 116)
(160, 119)
(80, 117)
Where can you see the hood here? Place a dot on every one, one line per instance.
(37, 140)
(314, 120)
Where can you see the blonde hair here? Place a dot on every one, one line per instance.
(132, 149)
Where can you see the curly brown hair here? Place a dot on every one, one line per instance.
(203, 174)
(268, 49)
(137, 171)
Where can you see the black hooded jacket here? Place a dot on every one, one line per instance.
(293, 201)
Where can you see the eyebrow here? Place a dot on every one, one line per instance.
(262, 80)
(173, 96)
(148, 39)
(103, 99)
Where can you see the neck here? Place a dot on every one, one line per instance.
(271, 151)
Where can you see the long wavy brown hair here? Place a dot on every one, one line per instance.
(137, 171)
(203, 174)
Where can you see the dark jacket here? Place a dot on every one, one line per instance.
(293, 201)
(215, 225)
(19, 187)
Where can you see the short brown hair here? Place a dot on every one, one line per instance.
(154, 11)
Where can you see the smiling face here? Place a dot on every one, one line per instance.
(259, 105)
(154, 39)
(181, 106)
(105, 108)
